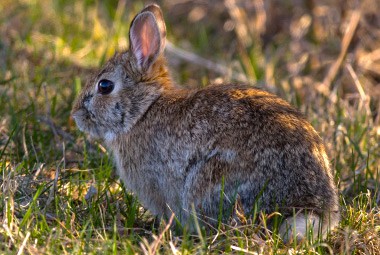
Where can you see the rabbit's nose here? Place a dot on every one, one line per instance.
(87, 98)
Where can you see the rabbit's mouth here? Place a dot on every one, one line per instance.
(85, 123)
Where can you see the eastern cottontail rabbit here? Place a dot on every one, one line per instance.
(175, 148)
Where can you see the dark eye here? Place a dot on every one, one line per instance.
(105, 87)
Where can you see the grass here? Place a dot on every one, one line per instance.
(58, 190)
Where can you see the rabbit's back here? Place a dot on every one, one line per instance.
(263, 149)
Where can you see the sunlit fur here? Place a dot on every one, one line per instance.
(173, 147)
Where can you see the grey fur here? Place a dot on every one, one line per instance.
(173, 147)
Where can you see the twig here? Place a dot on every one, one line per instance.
(68, 137)
(57, 131)
(208, 64)
(350, 31)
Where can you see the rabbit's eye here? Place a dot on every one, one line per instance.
(105, 87)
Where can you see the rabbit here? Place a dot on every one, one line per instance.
(179, 149)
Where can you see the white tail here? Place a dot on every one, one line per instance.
(304, 225)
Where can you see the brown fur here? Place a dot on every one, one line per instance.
(173, 147)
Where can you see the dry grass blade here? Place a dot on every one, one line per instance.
(243, 33)
(21, 250)
(364, 99)
(245, 251)
(350, 31)
(154, 246)
(359, 87)
(240, 19)
(53, 188)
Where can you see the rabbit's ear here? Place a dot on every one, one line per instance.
(147, 36)
(156, 10)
